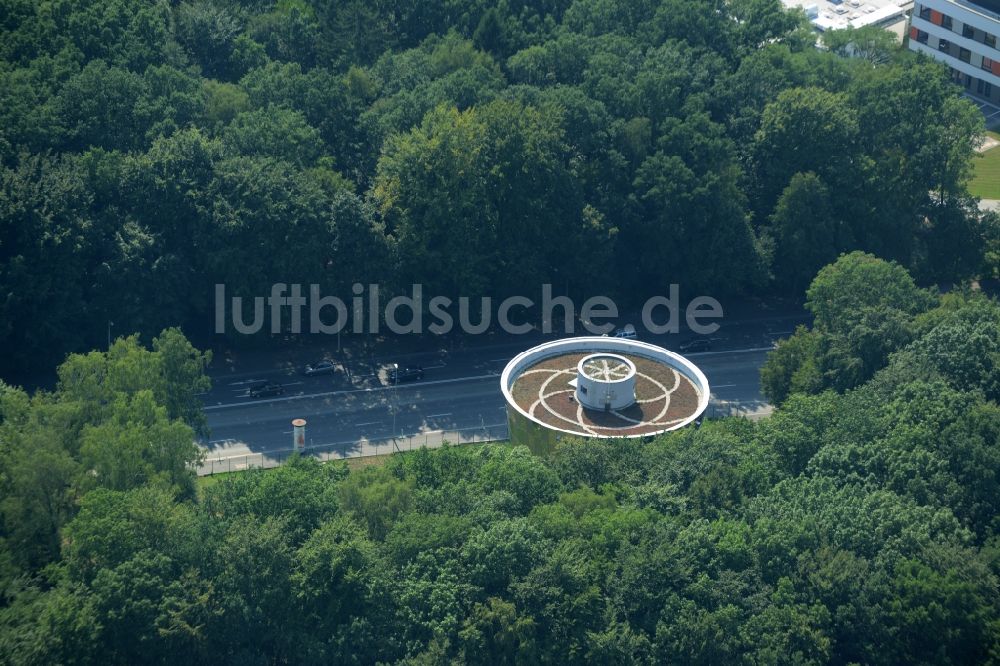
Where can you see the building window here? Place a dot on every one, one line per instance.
(987, 64)
(921, 36)
(968, 81)
(990, 40)
(968, 31)
(943, 45)
(946, 21)
(925, 13)
(965, 55)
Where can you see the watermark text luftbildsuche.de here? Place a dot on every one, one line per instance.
(309, 310)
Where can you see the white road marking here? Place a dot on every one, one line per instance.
(367, 423)
(332, 393)
(729, 351)
(434, 416)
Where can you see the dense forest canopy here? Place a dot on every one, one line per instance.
(856, 525)
(151, 149)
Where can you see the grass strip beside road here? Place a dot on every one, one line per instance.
(202, 483)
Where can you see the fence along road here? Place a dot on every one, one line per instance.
(356, 449)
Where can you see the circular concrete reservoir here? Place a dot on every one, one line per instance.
(599, 387)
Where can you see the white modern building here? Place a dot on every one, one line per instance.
(963, 35)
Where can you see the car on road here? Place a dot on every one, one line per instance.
(266, 389)
(405, 374)
(695, 345)
(627, 331)
(326, 366)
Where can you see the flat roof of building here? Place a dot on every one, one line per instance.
(989, 7)
(839, 14)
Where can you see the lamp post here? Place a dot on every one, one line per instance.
(110, 324)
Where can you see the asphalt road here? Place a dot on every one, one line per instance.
(356, 411)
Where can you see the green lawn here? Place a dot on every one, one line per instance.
(985, 182)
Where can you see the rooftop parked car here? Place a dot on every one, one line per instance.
(405, 374)
(320, 368)
(695, 345)
(266, 389)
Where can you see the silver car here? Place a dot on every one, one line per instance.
(627, 332)
(323, 367)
